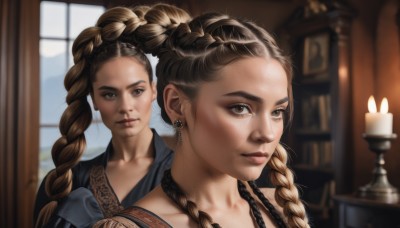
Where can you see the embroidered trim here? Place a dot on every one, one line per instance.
(103, 193)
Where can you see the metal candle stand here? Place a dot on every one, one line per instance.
(379, 188)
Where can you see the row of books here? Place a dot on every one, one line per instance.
(317, 153)
(316, 112)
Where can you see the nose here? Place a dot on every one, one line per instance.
(264, 131)
(126, 103)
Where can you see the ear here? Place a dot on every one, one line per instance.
(154, 89)
(94, 102)
(174, 102)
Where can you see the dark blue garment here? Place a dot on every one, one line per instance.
(78, 209)
(81, 209)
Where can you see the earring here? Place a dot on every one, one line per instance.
(178, 125)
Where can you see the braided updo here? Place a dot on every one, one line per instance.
(92, 48)
(191, 54)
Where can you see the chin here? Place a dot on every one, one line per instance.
(249, 174)
(130, 132)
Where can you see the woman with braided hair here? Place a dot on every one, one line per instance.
(118, 77)
(225, 87)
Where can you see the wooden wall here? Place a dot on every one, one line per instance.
(376, 71)
(19, 110)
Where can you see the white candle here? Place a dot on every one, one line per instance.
(378, 123)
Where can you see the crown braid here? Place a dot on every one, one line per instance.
(286, 193)
(68, 149)
(161, 20)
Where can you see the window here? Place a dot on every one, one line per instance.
(60, 24)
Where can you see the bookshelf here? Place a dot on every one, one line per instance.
(320, 135)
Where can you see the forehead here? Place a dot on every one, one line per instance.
(259, 76)
(121, 69)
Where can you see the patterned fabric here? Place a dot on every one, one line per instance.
(90, 175)
(133, 217)
(103, 193)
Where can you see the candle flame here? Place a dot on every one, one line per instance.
(371, 105)
(384, 106)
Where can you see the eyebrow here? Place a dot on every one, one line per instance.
(281, 101)
(129, 86)
(254, 98)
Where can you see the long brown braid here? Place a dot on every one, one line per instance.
(192, 53)
(90, 50)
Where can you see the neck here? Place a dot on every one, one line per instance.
(209, 189)
(133, 147)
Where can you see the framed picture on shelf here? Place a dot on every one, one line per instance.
(316, 54)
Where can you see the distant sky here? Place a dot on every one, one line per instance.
(53, 23)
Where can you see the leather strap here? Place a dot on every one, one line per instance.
(143, 218)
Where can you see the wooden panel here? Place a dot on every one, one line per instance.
(27, 159)
(7, 119)
(19, 109)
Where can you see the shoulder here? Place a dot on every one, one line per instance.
(135, 217)
(158, 203)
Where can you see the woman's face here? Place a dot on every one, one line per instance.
(238, 119)
(123, 95)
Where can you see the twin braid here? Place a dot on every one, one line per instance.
(271, 209)
(286, 194)
(253, 204)
(68, 149)
(173, 191)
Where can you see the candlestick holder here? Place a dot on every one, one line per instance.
(379, 188)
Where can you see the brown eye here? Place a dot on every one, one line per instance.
(137, 92)
(109, 95)
(278, 114)
(240, 109)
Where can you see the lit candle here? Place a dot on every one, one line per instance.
(378, 123)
